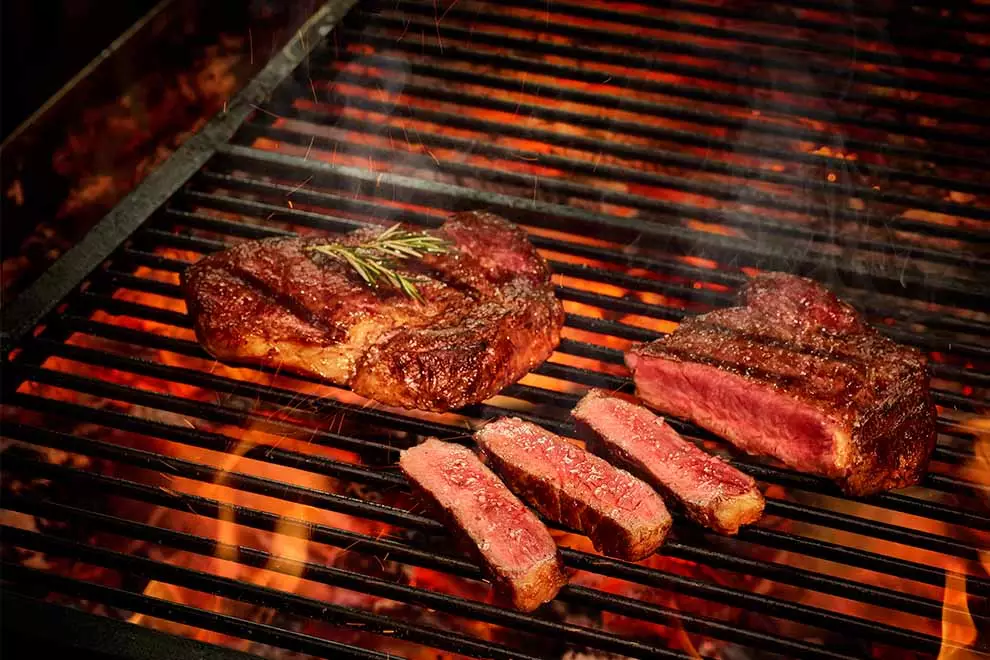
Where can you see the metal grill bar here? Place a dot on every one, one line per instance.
(690, 162)
(651, 108)
(193, 616)
(719, 191)
(316, 404)
(775, 60)
(582, 272)
(845, 12)
(577, 348)
(700, 243)
(274, 213)
(480, 36)
(735, 35)
(285, 602)
(576, 559)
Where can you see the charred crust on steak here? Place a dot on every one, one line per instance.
(488, 314)
(845, 401)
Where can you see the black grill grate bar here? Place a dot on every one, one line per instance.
(777, 475)
(185, 614)
(647, 108)
(429, 559)
(335, 117)
(345, 579)
(464, 45)
(271, 454)
(851, 19)
(668, 267)
(722, 191)
(248, 483)
(779, 59)
(942, 397)
(581, 349)
(305, 402)
(770, 474)
(738, 34)
(195, 437)
(180, 540)
(118, 307)
(698, 243)
(284, 602)
(777, 572)
(594, 563)
(768, 229)
(603, 301)
(958, 18)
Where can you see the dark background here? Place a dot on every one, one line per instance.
(46, 42)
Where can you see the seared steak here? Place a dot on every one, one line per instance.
(798, 375)
(621, 515)
(711, 492)
(489, 314)
(514, 547)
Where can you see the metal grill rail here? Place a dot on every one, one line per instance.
(629, 137)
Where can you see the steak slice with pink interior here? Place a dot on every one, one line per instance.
(797, 374)
(621, 515)
(711, 492)
(515, 548)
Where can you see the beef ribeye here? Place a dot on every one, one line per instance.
(621, 515)
(710, 491)
(514, 547)
(488, 316)
(797, 374)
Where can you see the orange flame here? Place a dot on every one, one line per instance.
(959, 632)
(958, 629)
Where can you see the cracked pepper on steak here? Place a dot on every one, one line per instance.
(797, 374)
(489, 314)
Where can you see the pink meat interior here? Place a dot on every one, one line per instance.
(752, 415)
(509, 534)
(580, 474)
(678, 464)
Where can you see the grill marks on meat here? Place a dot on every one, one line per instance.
(514, 547)
(489, 314)
(710, 491)
(797, 374)
(621, 515)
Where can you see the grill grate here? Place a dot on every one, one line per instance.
(658, 155)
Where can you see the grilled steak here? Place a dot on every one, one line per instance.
(514, 547)
(797, 374)
(621, 515)
(711, 492)
(488, 316)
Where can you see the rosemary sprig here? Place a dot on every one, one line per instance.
(375, 259)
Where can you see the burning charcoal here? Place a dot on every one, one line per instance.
(621, 514)
(515, 548)
(711, 492)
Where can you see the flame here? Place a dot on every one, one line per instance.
(958, 629)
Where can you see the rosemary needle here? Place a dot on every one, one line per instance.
(374, 260)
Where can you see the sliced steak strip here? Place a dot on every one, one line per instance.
(621, 515)
(796, 374)
(709, 490)
(514, 547)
